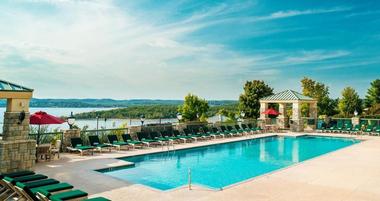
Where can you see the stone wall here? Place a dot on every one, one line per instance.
(17, 155)
(17, 152)
(67, 135)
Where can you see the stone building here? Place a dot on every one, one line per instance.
(17, 151)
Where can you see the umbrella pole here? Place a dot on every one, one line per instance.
(38, 134)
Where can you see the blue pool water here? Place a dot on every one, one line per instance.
(217, 166)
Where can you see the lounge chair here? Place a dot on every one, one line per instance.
(357, 129)
(77, 145)
(216, 132)
(253, 128)
(155, 135)
(134, 143)
(347, 128)
(207, 132)
(95, 142)
(241, 130)
(185, 138)
(233, 131)
(168, 134)
(369, 129)
(247, 129)
(225, 131)
(116, 143)
(7, 191)
(28, 186)
(190, 133)
(145, 138)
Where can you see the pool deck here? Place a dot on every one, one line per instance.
(349, 174)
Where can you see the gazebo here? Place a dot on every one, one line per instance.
(17, 151)
(293, 98)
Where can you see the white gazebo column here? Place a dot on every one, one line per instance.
(281, 117)
(263, 117)
(297, 122)
(314, 114)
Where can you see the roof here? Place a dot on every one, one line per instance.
(7, 86)
(287, 95)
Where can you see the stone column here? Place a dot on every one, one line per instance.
(67, 135)
(17, 151)
(297, 124)
(281, 117)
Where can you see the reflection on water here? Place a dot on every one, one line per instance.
(295, 154)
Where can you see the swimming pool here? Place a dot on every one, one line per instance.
(221, 165)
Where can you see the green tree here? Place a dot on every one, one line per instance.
(349, 102)
(320, 92)
(373, 94)
(249, 100)
(194, 108)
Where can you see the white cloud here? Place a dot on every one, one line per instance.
(95, 49)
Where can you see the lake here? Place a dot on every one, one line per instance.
(91, 123)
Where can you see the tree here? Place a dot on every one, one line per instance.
(249, 100)
(373, 94)
(349, 102)
(320, 92)
(194, 108)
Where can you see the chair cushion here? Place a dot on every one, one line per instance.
(68, 195)
(97, 199)
(46, 190)
(34, 184)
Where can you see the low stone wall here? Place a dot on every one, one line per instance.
(17, 155)
(67, 135)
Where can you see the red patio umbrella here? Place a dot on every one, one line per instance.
(271, 111)
(43, 118)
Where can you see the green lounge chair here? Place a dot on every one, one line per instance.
(377, 130)
(339, 126)
(95, 142)
(7, 191)
(369, 129)
(170, 135)
(233, 131)
(241, 130)
(192, 134)
(247, 129)
(208, 133)
(225, 131)
(44, 192)
(357, 129)
(155, 135)
(216, 132)
(77, 145)
(180, 136)
(254, 129)
(24, 188)
(145, 138)
(348, 128)
(134, 143)
(116, 143)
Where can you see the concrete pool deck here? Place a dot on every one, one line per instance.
(352, 173)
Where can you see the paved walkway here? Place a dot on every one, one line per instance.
(349, 174)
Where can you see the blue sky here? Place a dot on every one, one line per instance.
(166, 49)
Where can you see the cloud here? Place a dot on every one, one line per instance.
(316, 55)
(101, 50)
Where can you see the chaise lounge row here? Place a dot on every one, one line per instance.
(29, 186)
(160, 138)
